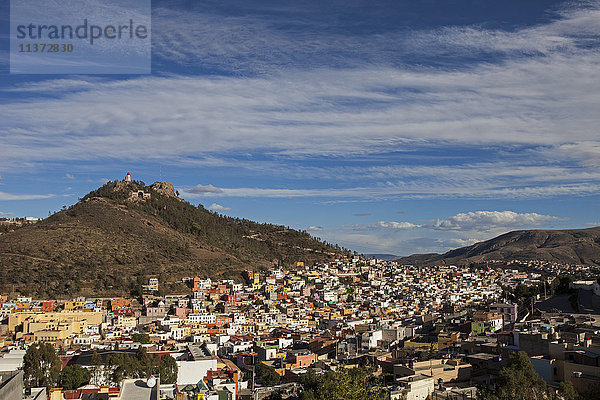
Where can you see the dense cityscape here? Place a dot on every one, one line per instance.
(439, 332)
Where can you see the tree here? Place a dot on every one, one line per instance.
(567, 391)
(142, 338)
(74, 376)
(120, 366)
(96, 367)
(355, 383)
(518, 381)
(561, 284)
(143, 367)
(167, 368)
(266, 377)
(41, 366)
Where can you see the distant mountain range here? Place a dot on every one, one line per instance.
(572, 246)
(385, 257)
(117, 236)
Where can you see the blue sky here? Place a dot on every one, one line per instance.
(396, 127)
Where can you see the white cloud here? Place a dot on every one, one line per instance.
(315, 228)
(10, 196)
(69, 176)
(6, 213)
(218, 207)
(492, 220)
(397, 225)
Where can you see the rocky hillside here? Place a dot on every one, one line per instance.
(115, 238)
(574, 246)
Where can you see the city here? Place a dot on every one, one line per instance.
(439, 332)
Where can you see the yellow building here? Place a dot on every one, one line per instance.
(73, 305)
(124, 321)
(30, 321)
(50, 335)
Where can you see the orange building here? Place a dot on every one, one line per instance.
(48, 306)
(197, 284)
(119, 304)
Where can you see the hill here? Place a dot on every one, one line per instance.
(113, 239)
(382, 256)
(573, 246)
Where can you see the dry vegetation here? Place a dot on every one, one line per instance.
(106, 244)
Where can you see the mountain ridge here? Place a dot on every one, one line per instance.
(564, 246)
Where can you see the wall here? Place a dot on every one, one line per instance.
(11, 386)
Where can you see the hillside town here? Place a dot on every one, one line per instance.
(437, 332)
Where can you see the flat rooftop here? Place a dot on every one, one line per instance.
(136, 389)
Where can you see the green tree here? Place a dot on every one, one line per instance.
(118, 367)
(518, 381)
(266, 377)
(74, 376)
(355, 383)
(96, 368)
(568, 392)
(561, 284)
(41, 366)
(143, 364)
(142, 338)
(167, 368)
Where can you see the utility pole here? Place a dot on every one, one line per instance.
(254, 394)
(532, 301)
(545, 297)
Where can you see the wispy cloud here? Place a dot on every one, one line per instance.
(358, 110)
(390, 190)
(69, 176)
(201, 190)
(362, 214)
(251, 43)
(11, 196)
